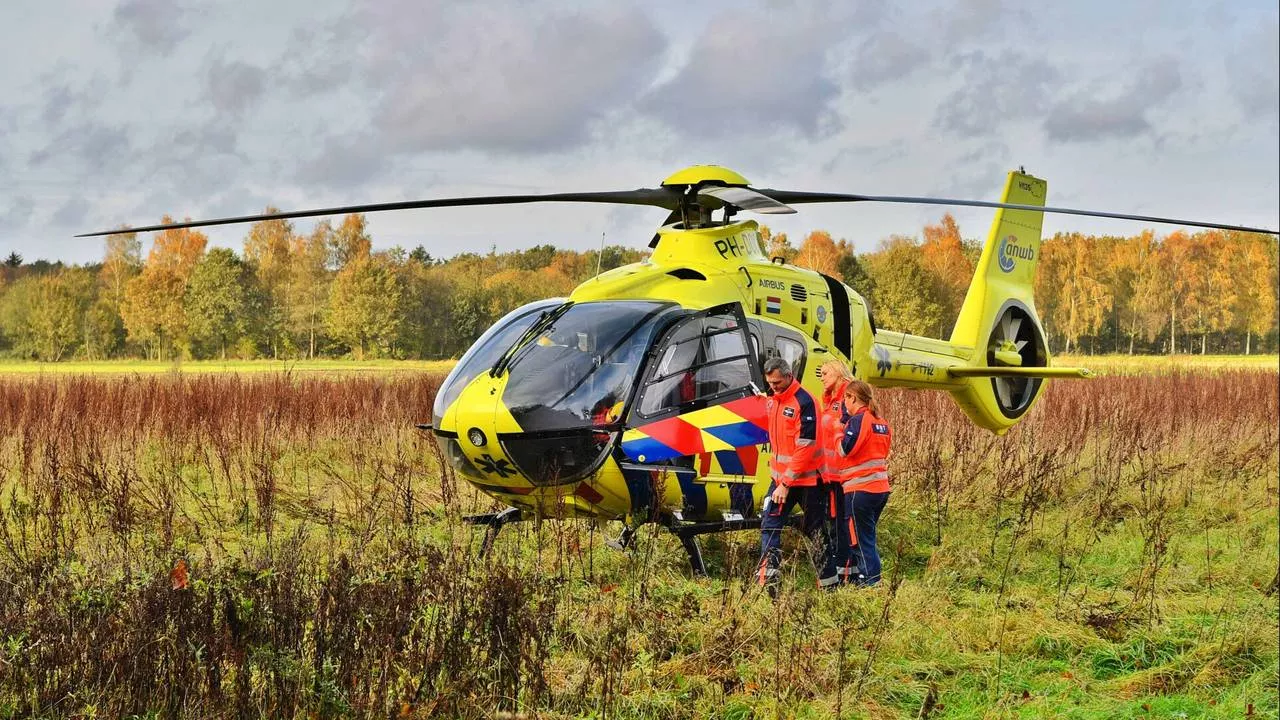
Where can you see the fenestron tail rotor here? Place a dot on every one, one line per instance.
(690, 194)
(1015, 342)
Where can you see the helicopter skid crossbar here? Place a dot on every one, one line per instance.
(689, 532)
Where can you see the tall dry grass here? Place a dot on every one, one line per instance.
(244, 546)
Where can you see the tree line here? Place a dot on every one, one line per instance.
(327, 293)
(1211, 291)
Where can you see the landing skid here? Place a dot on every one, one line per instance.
(688, 532)
(493, 523)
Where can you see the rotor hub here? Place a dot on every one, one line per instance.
(705, 174)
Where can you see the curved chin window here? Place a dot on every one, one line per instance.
(559, 458)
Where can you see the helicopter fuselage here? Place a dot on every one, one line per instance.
(536, 414)
(637, 397)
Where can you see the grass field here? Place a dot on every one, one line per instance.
(1156, 364)
(1101, 364)
(265, 545)
(155, 367)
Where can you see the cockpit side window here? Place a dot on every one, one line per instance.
(704, 358)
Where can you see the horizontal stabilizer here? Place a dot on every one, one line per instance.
(1061, 373)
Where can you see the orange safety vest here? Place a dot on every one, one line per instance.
(793, 437)
(865, 464)
(834, 463)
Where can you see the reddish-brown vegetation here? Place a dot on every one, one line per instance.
(244, 546)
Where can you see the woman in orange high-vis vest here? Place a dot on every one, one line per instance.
(864, 475)
(835, 378)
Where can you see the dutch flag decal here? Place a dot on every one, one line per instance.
(773, 305)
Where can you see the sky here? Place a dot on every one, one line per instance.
(118, 112)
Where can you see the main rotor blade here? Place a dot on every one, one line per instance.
(747, 199)
(657, 197)
(794, 198)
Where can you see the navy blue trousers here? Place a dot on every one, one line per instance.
(859, 556)
(817, 504)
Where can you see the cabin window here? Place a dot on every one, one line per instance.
(793, 352)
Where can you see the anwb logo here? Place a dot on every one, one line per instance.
(1009, 250)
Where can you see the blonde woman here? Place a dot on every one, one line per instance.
(835, 378)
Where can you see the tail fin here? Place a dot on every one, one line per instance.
(998, 318)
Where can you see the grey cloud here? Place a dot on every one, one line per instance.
(320, 56)
(18, 213)
(59, 101)
(98, 146)
(65, 102)
(866, 156)
(884, 57)
(343, 162)
(1253, 70)
(155, 24)
(1121, 114)
(213, 138)
(201, 159)
(233, 86)
(994, 90)
(755, 74)
(71, 212)
(533, 80)
(976, 20)
(975, 172)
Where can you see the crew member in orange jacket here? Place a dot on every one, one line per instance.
(864, 474)
(835, 378)
(793, 467)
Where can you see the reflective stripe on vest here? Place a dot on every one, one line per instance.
(857, 472)
(852, 485)
(788, 475)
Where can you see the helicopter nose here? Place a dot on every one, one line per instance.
(561, 457)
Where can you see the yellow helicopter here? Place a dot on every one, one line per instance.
(637, 397)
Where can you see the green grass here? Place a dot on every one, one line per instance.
(152, 367)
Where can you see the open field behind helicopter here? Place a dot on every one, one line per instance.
(1099, 364)
(219, 545)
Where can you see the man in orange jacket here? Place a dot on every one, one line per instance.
(793, 468)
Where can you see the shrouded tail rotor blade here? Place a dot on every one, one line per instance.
(657, 197)
(792, 197)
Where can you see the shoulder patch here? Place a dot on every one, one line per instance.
(880, 428)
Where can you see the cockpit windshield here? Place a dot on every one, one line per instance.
(487, 350)
(578, 371)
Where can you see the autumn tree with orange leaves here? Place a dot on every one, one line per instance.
(153, 310)
(943, 257)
